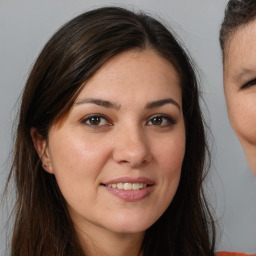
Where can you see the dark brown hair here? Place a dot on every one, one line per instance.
(42, 223)
(238, 13)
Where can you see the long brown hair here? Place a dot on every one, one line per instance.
(42, 223)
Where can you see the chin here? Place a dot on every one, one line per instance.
(250, 152)
(252, 164)
(132, 226)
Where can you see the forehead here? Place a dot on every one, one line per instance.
(240, 53)
(138, 70)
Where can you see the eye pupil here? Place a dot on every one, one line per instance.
(157, 121)
(94, 120)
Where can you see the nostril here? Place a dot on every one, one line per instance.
(124, 161)
(131, 150)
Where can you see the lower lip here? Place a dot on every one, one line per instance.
(130, 195)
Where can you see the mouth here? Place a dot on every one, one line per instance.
(130, 189)
(128, 185)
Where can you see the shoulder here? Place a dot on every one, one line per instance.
(233, 254)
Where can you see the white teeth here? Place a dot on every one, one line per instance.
(128, 186)
(120, 185)
(135, 186)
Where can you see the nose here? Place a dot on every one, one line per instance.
(131, 147)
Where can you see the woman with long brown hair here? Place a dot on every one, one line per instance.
(110, 146)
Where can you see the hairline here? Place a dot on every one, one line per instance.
(231, 33)
(228, 38)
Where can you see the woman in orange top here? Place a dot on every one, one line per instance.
(237, 40)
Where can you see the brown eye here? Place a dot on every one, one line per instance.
(157, 120)
(95, 121)
(161, 120)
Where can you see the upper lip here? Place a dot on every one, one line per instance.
(130, 180)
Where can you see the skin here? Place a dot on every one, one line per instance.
(240, 87)
(127, 142)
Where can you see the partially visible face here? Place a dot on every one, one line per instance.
(117, 156)
(240, 87)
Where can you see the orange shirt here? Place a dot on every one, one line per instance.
(233, 254)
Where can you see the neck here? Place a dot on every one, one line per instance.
(96, 241)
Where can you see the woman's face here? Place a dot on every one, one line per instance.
(117, 156)
(240, 87)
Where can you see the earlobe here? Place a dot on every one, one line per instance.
(40, 145)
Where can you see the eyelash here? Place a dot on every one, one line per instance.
(249, 84)
(170, 120)
(95, 116)
(99, 118)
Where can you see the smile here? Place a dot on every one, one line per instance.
(128, 186)
(130, 189)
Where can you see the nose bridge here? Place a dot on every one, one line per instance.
(131, 145)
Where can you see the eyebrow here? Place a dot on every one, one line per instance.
(109, 104)
(243, 75)
(99, 102)
(159, 103)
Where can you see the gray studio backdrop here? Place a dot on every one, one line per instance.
(25, 26)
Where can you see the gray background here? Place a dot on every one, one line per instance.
(25, 26)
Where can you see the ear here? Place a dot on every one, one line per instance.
(41, 146)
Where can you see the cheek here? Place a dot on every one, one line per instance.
(77, 165)
(242, 115)
(74, 155)
(170, 154)
(170, 158)
(72, 149)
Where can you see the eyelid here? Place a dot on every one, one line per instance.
(84, 119)
(248, 84)
(168, 117)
